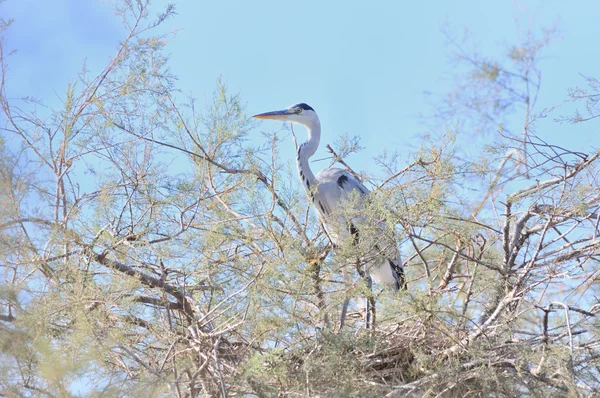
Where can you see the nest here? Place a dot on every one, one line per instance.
(398, 344)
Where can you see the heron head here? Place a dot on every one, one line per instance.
(297, 113)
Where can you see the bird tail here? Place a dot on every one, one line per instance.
(398, 273)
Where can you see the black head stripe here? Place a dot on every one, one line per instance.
(305, 107)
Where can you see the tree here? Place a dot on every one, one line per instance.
(148, 246)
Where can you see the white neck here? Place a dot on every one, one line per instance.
(305, 151)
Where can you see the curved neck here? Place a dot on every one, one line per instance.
(305, 151)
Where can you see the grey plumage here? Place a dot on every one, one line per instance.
(331, 191)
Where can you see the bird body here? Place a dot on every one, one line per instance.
(332, 191)
(338, 189)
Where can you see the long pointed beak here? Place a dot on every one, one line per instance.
(276, 115)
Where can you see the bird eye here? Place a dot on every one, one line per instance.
(298, 110)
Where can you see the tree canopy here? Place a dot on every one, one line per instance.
(148, 247)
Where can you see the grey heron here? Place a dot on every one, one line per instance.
(332, 189)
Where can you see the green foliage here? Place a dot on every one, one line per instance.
(149, 246)
(331, 364)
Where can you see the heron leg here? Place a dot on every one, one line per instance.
(370, 307)
(347, 283)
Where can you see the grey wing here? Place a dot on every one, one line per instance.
(348, 183)
(335, 186)
(335, 189)
(387, 268)
(343, 182)
(350, 186)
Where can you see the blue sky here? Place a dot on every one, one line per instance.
(364, 66)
